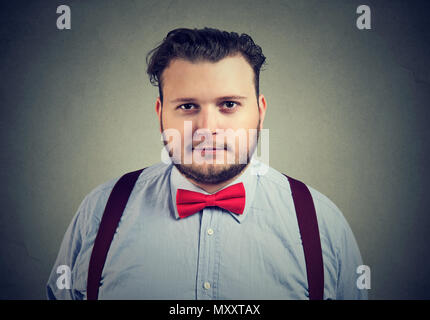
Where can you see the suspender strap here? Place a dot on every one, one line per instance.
(110, 220)
(309, 232)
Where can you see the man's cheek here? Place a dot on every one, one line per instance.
(172, 140)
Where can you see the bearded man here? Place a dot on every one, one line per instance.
(213, 222)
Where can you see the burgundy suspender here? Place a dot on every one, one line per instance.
(309, 232)
(306, 217)
(111, 216)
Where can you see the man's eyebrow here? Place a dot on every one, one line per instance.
(219, 98)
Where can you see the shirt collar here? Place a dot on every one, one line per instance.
(249, 178)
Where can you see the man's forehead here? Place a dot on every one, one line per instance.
(230, 76)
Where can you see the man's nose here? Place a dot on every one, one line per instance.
(208, 119)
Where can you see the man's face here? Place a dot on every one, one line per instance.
(212, 97)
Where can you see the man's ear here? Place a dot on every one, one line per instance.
(262, 109)
(158, 110)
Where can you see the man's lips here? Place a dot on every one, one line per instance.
(201, 149)
(209, 150)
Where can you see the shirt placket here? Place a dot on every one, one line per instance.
(207, 273)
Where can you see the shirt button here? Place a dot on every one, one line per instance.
(210, 231)
(207, 285)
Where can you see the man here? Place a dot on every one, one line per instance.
(168, 247)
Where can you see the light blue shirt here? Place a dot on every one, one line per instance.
(213, 254)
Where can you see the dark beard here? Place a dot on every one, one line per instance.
(212, 176)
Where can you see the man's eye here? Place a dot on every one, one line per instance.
(229, 104)
(186, 106)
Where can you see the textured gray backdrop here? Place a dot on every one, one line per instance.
(347, 113)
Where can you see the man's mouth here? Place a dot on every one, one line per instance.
(208, 150)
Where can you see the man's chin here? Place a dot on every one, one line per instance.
(210, 173)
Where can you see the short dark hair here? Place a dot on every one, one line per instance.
(202, 44)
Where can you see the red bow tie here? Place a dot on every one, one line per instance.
(231, 198)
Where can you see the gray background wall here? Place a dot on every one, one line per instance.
(347, 113)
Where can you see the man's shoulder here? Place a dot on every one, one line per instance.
(98, 196)
(333, 227)
(330, 217)
(153, 171)
(331, 220)
(327, 211)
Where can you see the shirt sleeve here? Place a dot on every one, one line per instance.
(342, 251)
(59, 285)
(75, 251)
(349, 261)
